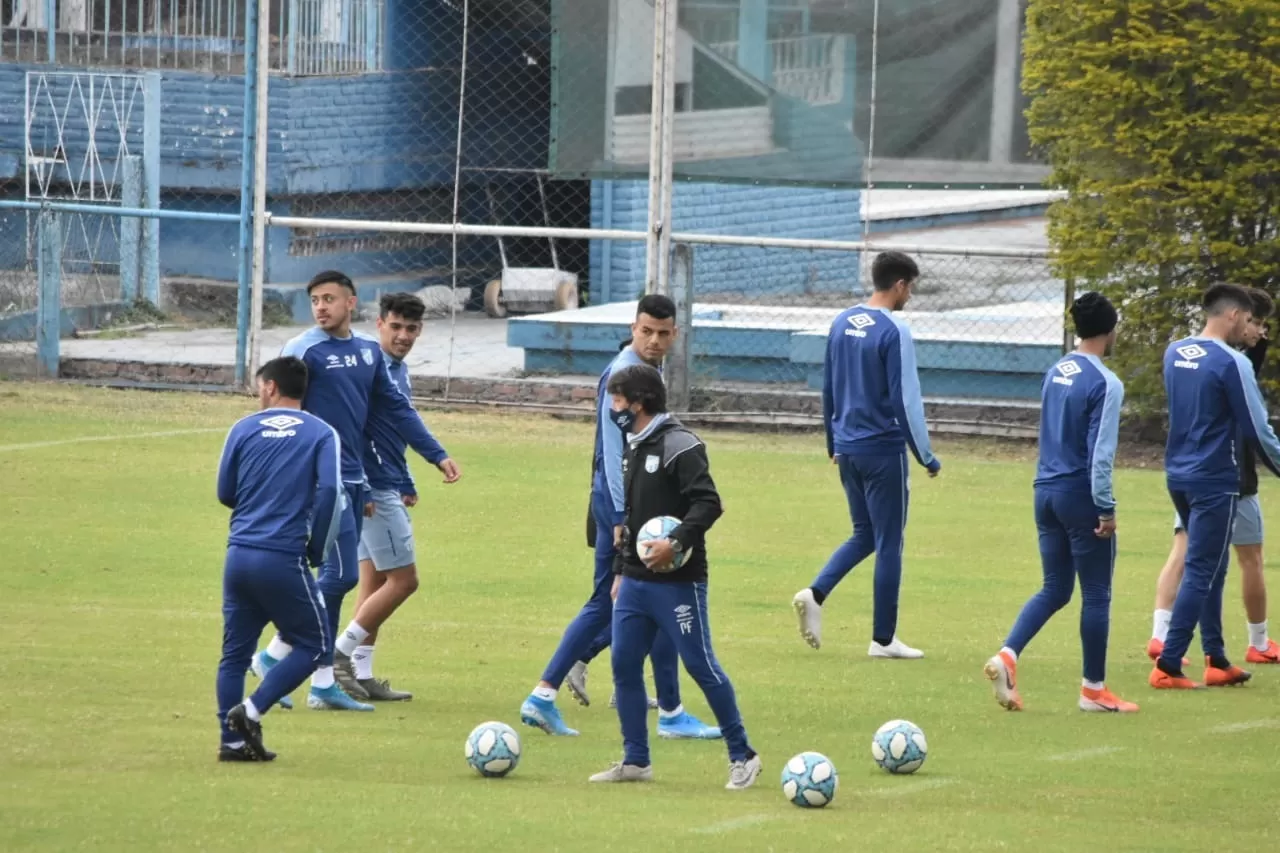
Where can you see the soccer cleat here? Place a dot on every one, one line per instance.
(344, 672)
(650, 701)
(896, 649)
(260, 666)
(1002, 670)
(687, 727)
(625, 773)
(543, 714)
(379, 690)
(332, 698)
(743, 774)
(241, 753)
(1155, 648)
(576, 681)
(1161, 680)
(1104, 700)
(1271, 654)
(251, 730)
(810, 613)
(1232, 676)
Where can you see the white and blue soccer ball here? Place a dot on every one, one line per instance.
(809, 780)
(899, 747)
(660, 527)
(493, 749)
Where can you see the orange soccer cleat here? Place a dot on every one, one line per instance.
(1229, 677)
(1002, 670)
(1161, 680)
(1155, 648)
(1104, 700)
(1271, 654)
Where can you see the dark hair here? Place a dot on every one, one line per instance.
(331, 277)
(1220, 298)
(404, 305)
(1093, 315)
(889, 268)
(641, 384)
(290, 375)
(1263, 304)
(628, 342)
(657, 306)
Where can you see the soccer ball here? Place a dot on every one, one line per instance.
(810, 780)
(660, 528)
(899, 747)
(493, 749)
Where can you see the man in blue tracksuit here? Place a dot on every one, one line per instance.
(1075, 507)
(280, 475)
(348, 377)
(873, 412)
(661, 585)
(651, 336)
(1215, 407)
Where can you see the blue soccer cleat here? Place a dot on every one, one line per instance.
(543, 714)
(332, 698)
(260, 666)
(686, 726)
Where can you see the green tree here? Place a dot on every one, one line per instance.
(1162, 120)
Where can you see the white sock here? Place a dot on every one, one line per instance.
(251, 710)
(352, 637)
(1160, 624)
(278, 648)
(322, 678)
(667, 715)
(1092, 685)
(546, 693)
(1010, 652)
(1258, 635)
(362, 657)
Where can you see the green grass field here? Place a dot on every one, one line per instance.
(110, 593)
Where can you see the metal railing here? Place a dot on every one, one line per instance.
(810, 67)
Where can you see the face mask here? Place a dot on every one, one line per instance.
(624, 419)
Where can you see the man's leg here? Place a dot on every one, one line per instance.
(860, 544)
(370, 581)
(291, 599)
(1167, 588)
(673, 720)
(681, 612)
(888, 493)
(1095, 562)
(242, 624)
(1247, 538)
(633, 633)
(1058, 575)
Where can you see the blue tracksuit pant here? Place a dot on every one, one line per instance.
(1208, 518)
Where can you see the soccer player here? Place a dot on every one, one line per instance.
(873, 412)
(1214, 404)
(280, 476)
(388, 573)
(666, 474)
(1246, 534)
(348, 377)
(651, 335)
(1075, 507)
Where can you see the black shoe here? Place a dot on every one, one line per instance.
(238, 721)
(242, 753)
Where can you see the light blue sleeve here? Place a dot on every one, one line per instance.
(298, 346)
(909, 403)
(227, 474)
(1102, 455)
(611, 442)
(1251, 412)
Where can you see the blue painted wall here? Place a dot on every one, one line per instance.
(827, 214)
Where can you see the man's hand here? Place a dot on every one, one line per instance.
(410, 501)
(617, 582)
(658, 555)
(935, 468)
(617, 536)
(1106, 527)
(452, 473)
(368, 509)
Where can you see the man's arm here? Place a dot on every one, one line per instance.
(692, 471)
(227, 471)
(327, 517)
(1104, 435)
(611, 449)
(904, 395)
(407, 421)
(1245, 400)
(828, 396)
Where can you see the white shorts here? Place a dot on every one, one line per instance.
(387, 537)
(1247, 527)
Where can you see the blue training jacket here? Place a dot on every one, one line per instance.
(1080, 402)
(384, 447)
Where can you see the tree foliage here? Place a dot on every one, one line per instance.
(1162, 120)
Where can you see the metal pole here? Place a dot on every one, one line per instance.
(248, 149)
(1068, 297)
(259, 194)
(1004, 88)
(49, 305)
(680, 357)
(657, 106)
(130, 227)
(150, 246)
(663, 284)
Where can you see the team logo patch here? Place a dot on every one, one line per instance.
(1191, 352)
(1068, 368)
(651, 464)
(281, 422)
(861, 321)
(367, 355)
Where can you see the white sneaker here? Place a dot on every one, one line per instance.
(743, 774)
(576, 681)
(810, 613)
(625, 773)
(895, 649)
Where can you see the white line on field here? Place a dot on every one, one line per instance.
(1230, 728)
(908, 788)
(36, 445)
(1082, 754)
(733, 823)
